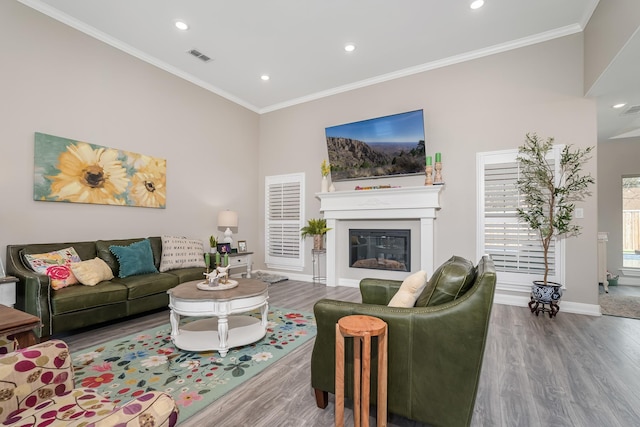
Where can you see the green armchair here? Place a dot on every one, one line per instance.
(435, 348)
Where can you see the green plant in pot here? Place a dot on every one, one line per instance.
(213, 243)
(316, 227)
(550, 195)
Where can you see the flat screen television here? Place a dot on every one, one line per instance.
(381, 147)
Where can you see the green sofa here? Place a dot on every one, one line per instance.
(435, 348)
(79, 306)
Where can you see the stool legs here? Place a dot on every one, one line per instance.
(339, 381)
(382, 379)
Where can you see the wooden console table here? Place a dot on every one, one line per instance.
(19, 325)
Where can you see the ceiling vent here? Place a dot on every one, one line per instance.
(201, 56)
(631, 111)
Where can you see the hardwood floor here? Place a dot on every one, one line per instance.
(572, 370)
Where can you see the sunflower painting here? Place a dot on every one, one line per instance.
(79, 172)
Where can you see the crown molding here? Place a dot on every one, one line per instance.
(480, 53)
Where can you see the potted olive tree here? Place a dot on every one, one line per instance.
(550, 195)
(316, 227)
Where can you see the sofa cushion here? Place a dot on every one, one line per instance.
(76, 298)
(92, 271)
(188, 274)
(143, 285)
(56, 265)
(410, 290)
(134, 259)
(180, 252)
(450, 281)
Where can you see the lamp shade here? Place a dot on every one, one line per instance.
(228, 219)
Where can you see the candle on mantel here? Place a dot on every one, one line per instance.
(438, 157)
(217, 259)
(207, 259)
(429, 160)
(226, 259)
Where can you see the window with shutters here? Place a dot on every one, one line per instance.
(515, 248)
(284, 216)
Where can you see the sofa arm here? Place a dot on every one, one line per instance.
(150, 409)
(34, 375)
(378, 291)
(32, 291)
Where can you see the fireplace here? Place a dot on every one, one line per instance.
(405, 207)
(380, 249)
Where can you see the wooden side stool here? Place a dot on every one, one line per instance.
(361, 328)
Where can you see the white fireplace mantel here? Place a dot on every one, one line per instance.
(405, 203)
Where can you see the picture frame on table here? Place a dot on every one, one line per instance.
(224, 248)
(242, 246)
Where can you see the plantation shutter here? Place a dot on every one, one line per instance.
(284, 214)
(515, 248)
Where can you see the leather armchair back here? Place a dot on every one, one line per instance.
(435, 351)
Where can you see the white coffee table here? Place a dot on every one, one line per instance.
(223, 327)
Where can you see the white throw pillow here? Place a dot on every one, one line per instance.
(180, 252)
(410, 290)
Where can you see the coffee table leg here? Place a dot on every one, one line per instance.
(264, 310)
(174, 318)
(223, 334)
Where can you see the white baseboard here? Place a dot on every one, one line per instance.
(565, 306)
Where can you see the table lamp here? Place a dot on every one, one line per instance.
(228, 219)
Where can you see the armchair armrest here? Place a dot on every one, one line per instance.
(153, 408)
(378, 291)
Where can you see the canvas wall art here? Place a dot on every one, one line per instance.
(79, 172)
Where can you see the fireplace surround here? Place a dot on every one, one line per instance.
(404, 203)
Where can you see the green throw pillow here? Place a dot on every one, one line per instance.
(137, 258)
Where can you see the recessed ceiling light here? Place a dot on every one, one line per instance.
(181, 25)
(349, 47)
(622, 104)
(477, 4)
(265, 77)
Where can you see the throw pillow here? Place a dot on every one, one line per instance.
(409, 291)
(91, 272)
(180, 252)
(55, 265)
(137, 258)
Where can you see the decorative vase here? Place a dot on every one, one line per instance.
(318, 240)
(324, 186)
(332, 188)
(545, 293)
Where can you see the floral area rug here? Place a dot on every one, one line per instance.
(127, 367)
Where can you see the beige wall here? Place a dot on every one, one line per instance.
(56, 80)
(611, 26)
(616, 158)
(482, 105)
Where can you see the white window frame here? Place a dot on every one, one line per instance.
(289, 224)
(512, 281)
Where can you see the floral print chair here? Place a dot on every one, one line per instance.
(37, 389)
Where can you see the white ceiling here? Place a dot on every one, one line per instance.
(299, 43)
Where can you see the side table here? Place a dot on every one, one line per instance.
(19, 325)
(319, 258)
(241, 259)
